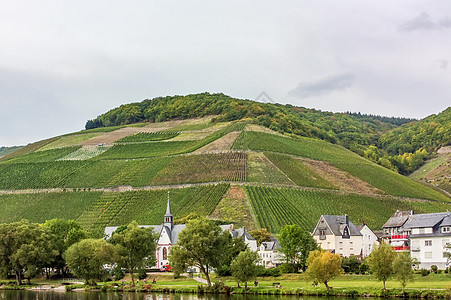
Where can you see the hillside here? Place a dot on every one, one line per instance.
(236, 171)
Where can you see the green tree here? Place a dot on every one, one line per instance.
(233, 247)
(351, 264)
(25, 248)
(381, 262)
(323, 266)
(296, 244)
(87, 257)
(244, 266)
(67, 233)
(402, 267)
(200, 244)
(261, 235)
(136, 247)
(448, 252)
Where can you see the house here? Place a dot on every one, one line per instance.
(428, 235)
(248, 239)
(338, 235)
(394, 233)
(369, 239)
(270, 257)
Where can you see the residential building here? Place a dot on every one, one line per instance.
(269, 254)
(428, 234)
(369, 239)
(338, 235)
(394, 233)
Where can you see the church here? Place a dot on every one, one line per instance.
(168, 236)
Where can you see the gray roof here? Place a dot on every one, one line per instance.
(398, 219)
(273, 245)
(168, 209)
(338, 223)
(242, 232)
(425, 220)
(446, 220)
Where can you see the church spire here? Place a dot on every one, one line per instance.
(168, 215)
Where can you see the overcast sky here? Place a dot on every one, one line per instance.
(64, 62)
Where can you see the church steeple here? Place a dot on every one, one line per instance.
(168, 215)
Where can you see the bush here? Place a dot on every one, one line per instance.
(434, 269)
(363, 268)
(351, 264)
(118, 273)
(263, 272)
(424, 272)
(142, 274)
(223, 270)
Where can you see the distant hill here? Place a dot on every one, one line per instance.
(236, 171)
(400, 148)
(7, 150)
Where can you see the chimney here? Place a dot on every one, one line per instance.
(347, 219)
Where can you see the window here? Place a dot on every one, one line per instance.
(165, 253)
(428, 255)
(322, 234)
(446, 229)
(428, 243)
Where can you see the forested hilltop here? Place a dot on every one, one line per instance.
(380, 139)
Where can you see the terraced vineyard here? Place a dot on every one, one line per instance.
(286, 180)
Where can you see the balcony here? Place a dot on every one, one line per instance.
(399, 237)
(401, 248)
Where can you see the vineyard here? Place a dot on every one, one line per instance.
(274, 208)
(227, 166)
(69, 140)
(143, 150)
(44, 156)
(84, 153)
(148, 207)
(298, 172)
(340, 157)
(148, 136)
(260, 169)
(44, 206)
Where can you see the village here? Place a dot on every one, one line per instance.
(426, 237)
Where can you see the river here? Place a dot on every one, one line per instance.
(52, 295)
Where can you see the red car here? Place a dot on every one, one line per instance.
(165, 268)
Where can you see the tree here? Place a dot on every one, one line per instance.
(296, 245)
(447, 252)
(200, 244)
(351, 264)
(25, 248)
(87, 257)
(261, 235)
(136, 247)
(244, 266)
(381, 262)
(233, 247)
(402, 267)
(323, 266)
(67, 233)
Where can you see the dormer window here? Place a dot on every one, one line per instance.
(346, 234)
(446, 229)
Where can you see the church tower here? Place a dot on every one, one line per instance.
(168, 216)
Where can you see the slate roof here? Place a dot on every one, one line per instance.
(338, 223)
(273, 245)
(398, 219)
(424, 220)
(242, 232)
(446, 220)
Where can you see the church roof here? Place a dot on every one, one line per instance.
(168, 210)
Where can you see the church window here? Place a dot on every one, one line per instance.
(165, 253)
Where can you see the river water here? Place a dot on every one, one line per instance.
(51, 295)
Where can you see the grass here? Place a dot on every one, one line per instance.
(28, 149)
(147, 137)
(384, 179)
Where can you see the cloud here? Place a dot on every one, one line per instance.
(322, 86)
(425, 22)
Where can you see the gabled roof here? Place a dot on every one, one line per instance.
(273, 245)
(398, 219)
(446, 220)
(338, 223)
(242, 232)
(425, 220)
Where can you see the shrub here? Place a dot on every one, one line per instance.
(434, 269)
(424, 272)
(142, 274)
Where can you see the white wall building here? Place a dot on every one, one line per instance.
(338, 235)
(428, 235)
(369, 239)
(269, 254)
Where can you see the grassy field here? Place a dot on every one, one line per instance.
(340, 157)
(148, 136)
(44, 156)
(152, 149)
(275, 208)
(260, 169)
(70, 140)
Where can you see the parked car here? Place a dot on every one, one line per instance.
(165, 268)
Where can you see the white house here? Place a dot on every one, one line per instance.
(338, 235)
(369, 239)
(394, 233)
(270, 256)
(428, 235)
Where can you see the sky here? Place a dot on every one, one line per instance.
(64, 62)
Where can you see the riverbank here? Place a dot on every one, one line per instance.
(431, 286)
